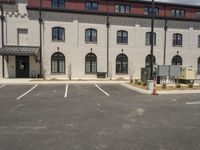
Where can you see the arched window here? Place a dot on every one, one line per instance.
(148, 61)
(122, 64)
(177, 60)
(198, 41)
(177, 39)
(58, 34)
(91, 35)
(122, 37)
(58, 3)
(198, 66)
(90, 63)
(148, 38)
(57, 63)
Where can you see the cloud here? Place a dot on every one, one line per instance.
(191, 2)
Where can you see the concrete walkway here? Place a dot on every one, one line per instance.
(30, 81)
(41, 81)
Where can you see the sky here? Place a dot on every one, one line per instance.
(191, 2)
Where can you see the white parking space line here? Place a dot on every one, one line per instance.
(102, 90)
(66, 91)
(2, 86)
(192, 103)
(27, 92)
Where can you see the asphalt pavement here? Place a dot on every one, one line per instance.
(96, 117)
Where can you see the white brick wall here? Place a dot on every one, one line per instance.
(75, 49)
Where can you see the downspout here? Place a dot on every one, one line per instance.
(40, 23)
(165, 38)
(2, 37)
(107, 26)
(165, 41)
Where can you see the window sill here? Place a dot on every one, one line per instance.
(122, 43)
(177, 45)
(90, 73)
(121, 73)
(91, 43)
(57, 41)
(58, 73)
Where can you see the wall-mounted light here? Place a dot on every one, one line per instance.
(177, 52)
(58, 49)
(122, 50)
(91, 50)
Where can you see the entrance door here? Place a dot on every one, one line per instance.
(22, 66)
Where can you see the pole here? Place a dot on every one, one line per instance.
(2, 38)
(165, 45)
(40, 23)
(152, 41)
(107, 26)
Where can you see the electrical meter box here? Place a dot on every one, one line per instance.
(188, 73)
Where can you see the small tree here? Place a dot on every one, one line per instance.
(69, 71)
(131, 71)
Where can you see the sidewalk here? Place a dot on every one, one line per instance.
(161, 92)
(41, 81)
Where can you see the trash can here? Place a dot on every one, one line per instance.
(150, 85)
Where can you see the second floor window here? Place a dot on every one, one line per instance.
(148, 11)
(178, 13)
(148, 39)
(58, 3)
(122, 37)
(198, 14)
(58, 34)
(120, 8)
(177, 39)
(91, 36)
(91, 6)
(198, 41)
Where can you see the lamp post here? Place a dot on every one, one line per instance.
(152, 41)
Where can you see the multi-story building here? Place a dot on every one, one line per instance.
(78, 38)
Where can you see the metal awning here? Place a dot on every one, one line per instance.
(19, 51)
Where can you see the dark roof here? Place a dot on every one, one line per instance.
(19, 51)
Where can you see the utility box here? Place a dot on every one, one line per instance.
(145, 73)
(188, 75)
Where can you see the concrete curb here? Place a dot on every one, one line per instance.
(137, 89)
(161, 92)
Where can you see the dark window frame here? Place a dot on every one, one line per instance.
(198, 66)
(148, 39)
(91, 8)
(178, 13)
(60, 58)
(123, 7)
(91, 39)
(198, 45)
(58, 34)
(149, 10)
(122, 39)
(92, 59)
(121, 61)
(177, 60)
(57, 3)
(177, 40)
(148, 60)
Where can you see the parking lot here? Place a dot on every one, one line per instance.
(96, 117)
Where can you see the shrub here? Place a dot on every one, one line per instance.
(190, 85)
(178, 86)
(136, 81)
(164, 86)
(139, 83)
(144, 83)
